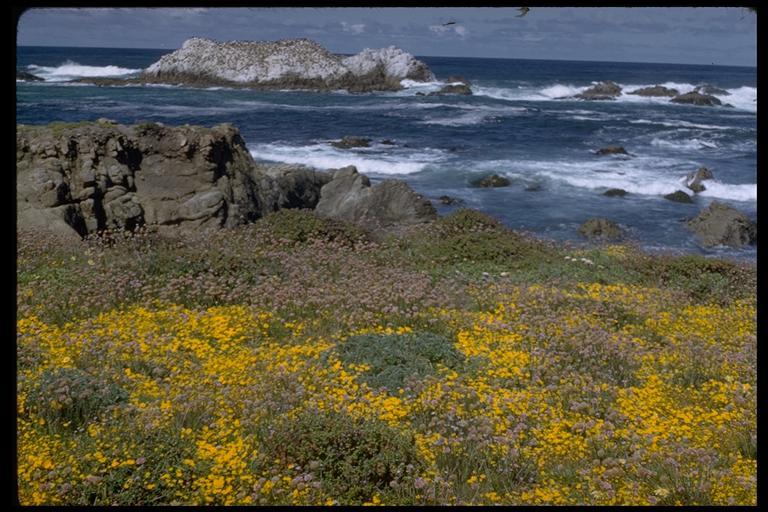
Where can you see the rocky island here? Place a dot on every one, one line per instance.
(284, 64)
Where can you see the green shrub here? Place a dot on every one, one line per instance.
(393, 358)
(301, 226)
(353, 458)
(69, 397)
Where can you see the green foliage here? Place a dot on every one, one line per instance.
(393, 358)
(301, 226)
(69, 397)
(353, 458)
(705, 279)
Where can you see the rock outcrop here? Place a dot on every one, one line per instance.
(284, 64)
(719, 224)
(678, 196)
(695, 98)
(615, 192)
(28, 77)
(85, 177)
(601, 229)
(606, 90)
(656, 90)
(694, 179)
(492, 181)
(611, 150)
(350, 197)
(351, 142)
(711, 90)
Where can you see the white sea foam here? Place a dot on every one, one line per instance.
(679, 123)
(643, 176)
(743, 98)
(69, 70)
(744, 192)
(324, 156)
(684, 145)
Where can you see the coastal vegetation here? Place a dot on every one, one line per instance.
(297, 360)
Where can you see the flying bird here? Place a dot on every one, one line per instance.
(449, 23)
(523, 11)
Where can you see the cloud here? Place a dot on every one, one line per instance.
(459, 30)
(356, 28)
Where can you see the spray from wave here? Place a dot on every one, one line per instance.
(70, 70)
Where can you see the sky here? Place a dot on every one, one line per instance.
(725, 36)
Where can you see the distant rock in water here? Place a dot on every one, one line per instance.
(693, 179)
(719, 224)
(28, 77)
(455, 85)
(606, 90)
(679, 196)
(351, 142)
(656, 90)
(615, 192)
(601, 229)
(711, 89)
(284, 64)
(492, 181)
(611, 150)
(695, 98)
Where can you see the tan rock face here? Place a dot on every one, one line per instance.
(93, 176)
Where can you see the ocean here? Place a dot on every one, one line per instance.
(513, 125)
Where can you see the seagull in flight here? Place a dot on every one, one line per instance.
(523, 11)
(449, 23)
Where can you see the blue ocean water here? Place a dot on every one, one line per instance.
(512, 125)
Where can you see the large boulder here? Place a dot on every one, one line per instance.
(87, 177)
(350, 197)
(719, 224)
(695, 98)
(694, 179)
(601, 229)
(284, 64)
(656, 90)
(606, 90)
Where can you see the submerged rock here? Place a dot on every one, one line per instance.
(679, 196)
(612, 150)
(695, 98)
(284, 64)
(656, 90)
(615, 192)
(450, 201)
(494, 180)
(606, 90)
(601, 229)
(351, 142)
(28, 77)
(719, 224)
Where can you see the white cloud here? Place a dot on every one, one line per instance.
(356, 28)
(459, 30)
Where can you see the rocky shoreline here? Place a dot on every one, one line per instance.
(76, 179)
